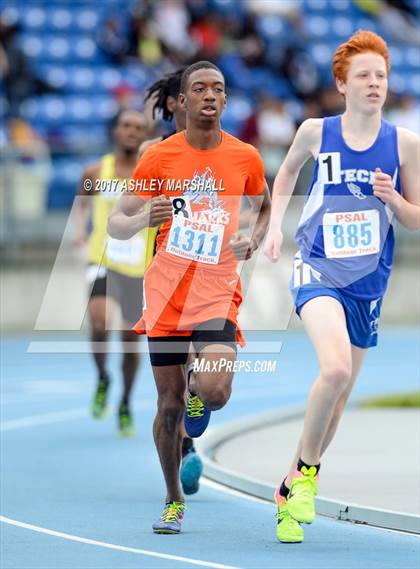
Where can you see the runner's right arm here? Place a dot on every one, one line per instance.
(141, 205)
(306, 144)
(82, 204)
(131, 216)
(147, 144)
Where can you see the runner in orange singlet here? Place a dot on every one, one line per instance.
(193, 183)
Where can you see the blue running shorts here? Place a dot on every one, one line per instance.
(362, 315)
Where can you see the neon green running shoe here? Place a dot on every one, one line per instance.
(301, 499)
(99, 405)
(288, 529)
(125, 422)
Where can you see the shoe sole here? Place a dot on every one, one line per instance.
(301, 519)
(166, 531)
(193, 431)
(100, 415)
(124, 434)
(191, 472)
(190, 490)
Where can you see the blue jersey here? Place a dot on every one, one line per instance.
(345, 233)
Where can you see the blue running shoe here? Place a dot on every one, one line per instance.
(196, 417)
(171, 518)
(191, 470)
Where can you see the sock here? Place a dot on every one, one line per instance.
(190, 370)
(187, 446)
(301, 464)
(105, 378)
(284, 490)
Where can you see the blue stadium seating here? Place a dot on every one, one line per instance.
(65, 180)
(60, 39)
(72, 109)
(236, 113)
(273, 28)
(62, 49)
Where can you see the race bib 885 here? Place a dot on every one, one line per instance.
(351, 234)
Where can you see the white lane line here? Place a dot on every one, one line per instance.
(61, 416)
(106, 545)
(44, 419)
(232, 492)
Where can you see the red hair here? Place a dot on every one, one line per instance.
(360, 42)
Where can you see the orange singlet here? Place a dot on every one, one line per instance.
(193, 277)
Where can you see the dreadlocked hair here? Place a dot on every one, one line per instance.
(168, 86)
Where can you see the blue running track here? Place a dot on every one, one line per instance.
(74, 495)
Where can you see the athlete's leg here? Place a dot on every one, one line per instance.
(130, 363)
(209, 388)
(191, 463)
(170, 383)
(358, 355)
(214, 342)
(210, 385)
(325, 323)
(214, 386)
(99, 308)
(357, 358)
(128, 292)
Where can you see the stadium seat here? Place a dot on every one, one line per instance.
(137, 75)
(272, 28)
(110, 77)
(412, 57)
(398, 83)
(33, 19)
(413, 86)
(322, 54)
(239, 110)
(317, 27)
(315, 6)
(32, 46)
(232, 7)
(342, 6)
(87, 19)
(60, 19)
(59, 48)
(341, 27)
(269, 82)
(86, 48)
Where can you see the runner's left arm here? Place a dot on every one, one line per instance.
(243, 247)
(257, 192)
(405, 206)
(260, 217)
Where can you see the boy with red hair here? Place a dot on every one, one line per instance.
(366, 172)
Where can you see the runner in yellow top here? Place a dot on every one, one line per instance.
(116, 268)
